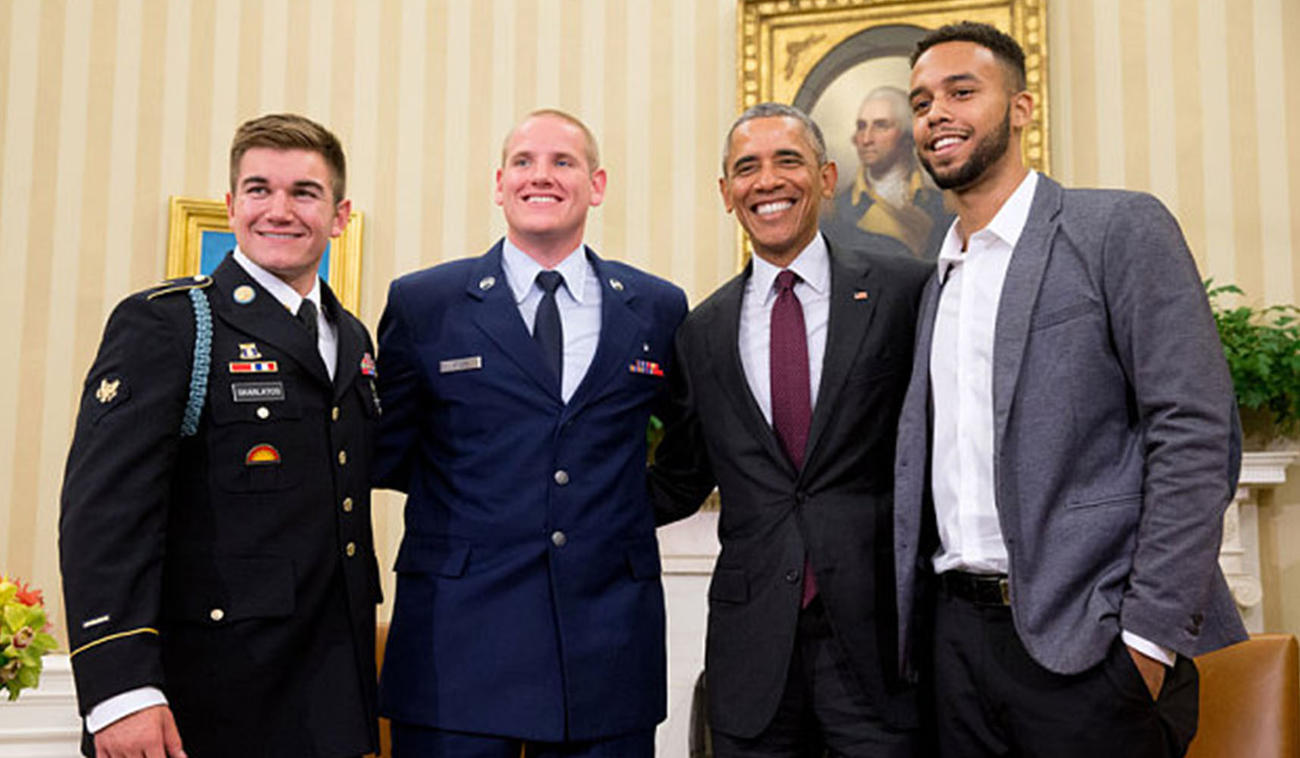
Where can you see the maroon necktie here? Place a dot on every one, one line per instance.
(791, 387)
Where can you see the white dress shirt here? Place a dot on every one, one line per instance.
(124, 704)
(578, 302)
(813, 265)
(961, 381)
(327, 340)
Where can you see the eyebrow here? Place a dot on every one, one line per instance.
(947, 80)
(300, 184)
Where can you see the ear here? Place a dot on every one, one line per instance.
(230, 209)
(598, 179)
(499, 195)
(1022, 109)
(342, 212)
(726, 196)
(830, 174)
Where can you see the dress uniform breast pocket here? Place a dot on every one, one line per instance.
(257, 443)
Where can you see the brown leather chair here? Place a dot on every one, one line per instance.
(1250, 700)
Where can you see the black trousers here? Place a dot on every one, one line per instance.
(993, 699)
(823, 709)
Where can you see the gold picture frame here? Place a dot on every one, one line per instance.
(194, 223)
(802, 52)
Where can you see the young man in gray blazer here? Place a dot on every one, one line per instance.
(1067, 445)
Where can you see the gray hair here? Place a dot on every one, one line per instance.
(898, 102)
(770, 110)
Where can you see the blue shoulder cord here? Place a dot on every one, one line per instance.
(202, 362)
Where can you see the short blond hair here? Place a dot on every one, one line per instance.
(590, 148)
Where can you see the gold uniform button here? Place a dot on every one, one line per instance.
(216, 614)
(347, 505)
(263, 412)
(351, 549)
(334, 413)
(343, 457)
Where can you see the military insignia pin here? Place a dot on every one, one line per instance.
(248, 351)
(107, 390)
(646, 367)
(486, 283)
(262, 454)
(253, 367)
(616, 284)
(368, 366)
(244, 294)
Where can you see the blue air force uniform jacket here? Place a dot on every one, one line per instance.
(233, 569)
(529, 602)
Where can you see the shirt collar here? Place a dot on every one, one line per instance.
(521, 271)
(813, 265)
(282, 292)
(1007, 225)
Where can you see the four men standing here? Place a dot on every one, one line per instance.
(1041, 542)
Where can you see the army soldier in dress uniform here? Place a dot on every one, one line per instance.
(215, 541)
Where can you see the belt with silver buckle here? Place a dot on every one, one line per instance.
(984, 589)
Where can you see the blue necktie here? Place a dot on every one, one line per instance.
(547, 331)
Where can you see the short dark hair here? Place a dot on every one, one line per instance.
(1003, 46)
(289, 131)
(778, 110)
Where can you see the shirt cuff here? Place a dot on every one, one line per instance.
(1148, 648)
(120, 706)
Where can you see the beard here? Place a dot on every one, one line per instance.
(990, 148)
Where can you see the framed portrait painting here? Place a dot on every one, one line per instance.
(199, 236)
(825, 56)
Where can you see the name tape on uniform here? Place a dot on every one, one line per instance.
(257, 392)
(472, 363)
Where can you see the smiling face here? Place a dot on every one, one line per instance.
(775, 185)
(283, 212)
(966, 120)
(881, 140)
(545, 186)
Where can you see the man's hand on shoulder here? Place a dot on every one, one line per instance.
(150, 733)
(1152, 671)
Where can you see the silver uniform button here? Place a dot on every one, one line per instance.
(558, 539)
(263, 412)
(561, 477)
(216, 614)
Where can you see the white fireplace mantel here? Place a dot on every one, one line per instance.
(1239, 553)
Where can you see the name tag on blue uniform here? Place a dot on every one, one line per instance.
(471, 363)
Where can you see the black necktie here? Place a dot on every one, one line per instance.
(307, 317)
(547, 330)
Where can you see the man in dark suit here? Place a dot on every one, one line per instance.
(215, 540)
(517, 388)
(1067, 447)
(787, 387)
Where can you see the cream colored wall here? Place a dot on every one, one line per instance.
(109, 107)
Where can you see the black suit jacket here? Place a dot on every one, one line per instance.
(838, 508)
(241, 582)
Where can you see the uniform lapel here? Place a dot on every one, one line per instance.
(723, 339)
(849, 321)
(1019, 294)
(350, 343)
(263, 317)
(621, 329)
(496, 314)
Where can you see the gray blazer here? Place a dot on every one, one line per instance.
(1116, 442)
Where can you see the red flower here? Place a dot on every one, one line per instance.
(28, 596)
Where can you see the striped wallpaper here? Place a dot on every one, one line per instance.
(108, 107)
